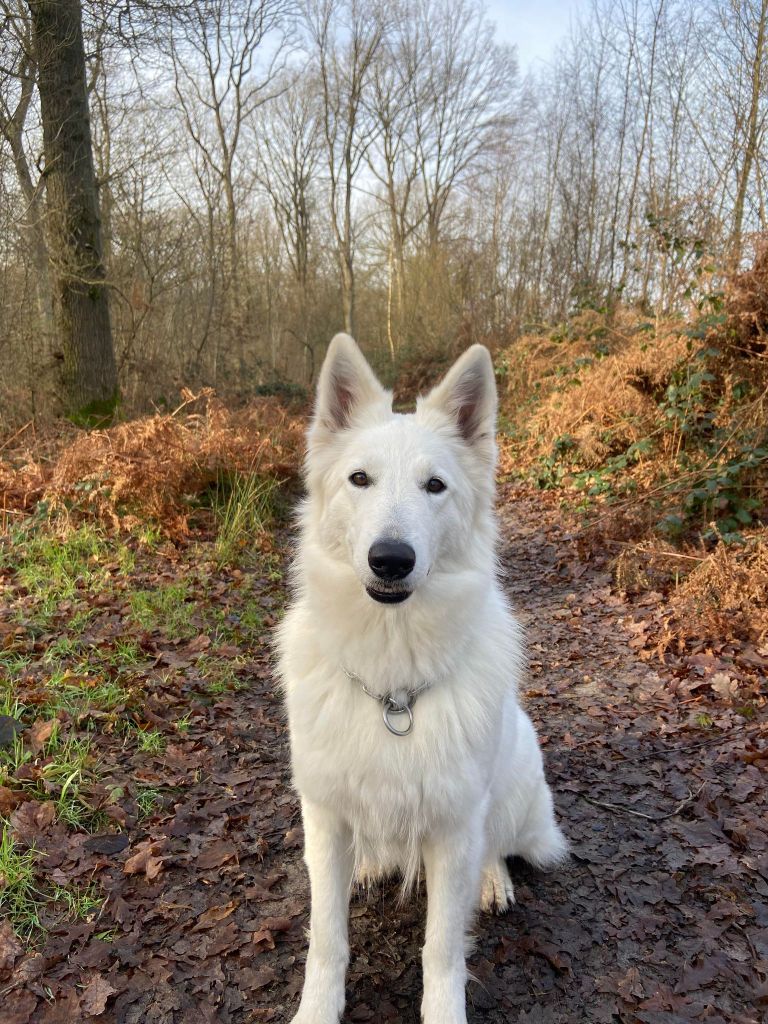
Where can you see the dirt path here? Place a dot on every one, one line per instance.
(660, 917)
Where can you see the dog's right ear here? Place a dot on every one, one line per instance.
(347, 386)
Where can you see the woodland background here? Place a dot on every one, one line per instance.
(194, 198)
(268, 172)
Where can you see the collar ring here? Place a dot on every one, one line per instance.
(391, 707)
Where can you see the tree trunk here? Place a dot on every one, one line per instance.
(236, 300)
(348, 292)
(87, 371)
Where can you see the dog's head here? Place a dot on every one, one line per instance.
(401, 498)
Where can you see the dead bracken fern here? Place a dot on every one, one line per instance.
(151, 467)
(652, 564)
(726, 594)
(659, 429)
(746, 304)
(21, 487)
(599, 390)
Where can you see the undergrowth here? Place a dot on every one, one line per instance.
(19, 896)
(656, 434)
(144, 475)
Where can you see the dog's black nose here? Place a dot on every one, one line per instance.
(391, 559)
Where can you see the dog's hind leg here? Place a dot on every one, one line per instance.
(329, 858)
(541, 842)
(522, 818)
(497, 894)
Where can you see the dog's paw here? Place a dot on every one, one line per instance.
(436, 1012)
(317, 1012)
(497, 894)
(321, 1002)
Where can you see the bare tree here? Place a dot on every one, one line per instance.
(391, 171)
(18, 83)
(88, 374)
(751, 21)
(287, 140)
(222, 73)
(394, 161)
(345, 36)
(461, 97)
(289, 135)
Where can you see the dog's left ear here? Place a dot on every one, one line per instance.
(467, 394)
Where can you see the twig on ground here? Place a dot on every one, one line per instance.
(640, 814)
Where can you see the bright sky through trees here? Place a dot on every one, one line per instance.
(534, 27)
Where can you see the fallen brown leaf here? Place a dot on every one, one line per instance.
(215, 854)
(10, 947)
(214, 914)
(31, 818)
(9, 800)
(39, 733)
(93, 1001)
(145, 861)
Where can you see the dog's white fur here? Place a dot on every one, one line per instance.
(466, 788)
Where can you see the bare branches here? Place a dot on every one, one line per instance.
(270, 170)
(344, 37)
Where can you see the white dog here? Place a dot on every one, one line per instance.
(400, 659)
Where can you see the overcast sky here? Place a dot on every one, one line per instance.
(535, 26)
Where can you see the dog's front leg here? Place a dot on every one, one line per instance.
(328, 855)
(452, 862)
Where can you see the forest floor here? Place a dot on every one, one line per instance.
(179, 894)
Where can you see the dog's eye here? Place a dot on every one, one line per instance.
(359, 479)
(435, 485)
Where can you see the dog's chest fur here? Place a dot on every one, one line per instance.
(393, 790)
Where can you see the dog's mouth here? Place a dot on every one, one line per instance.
(387, 596)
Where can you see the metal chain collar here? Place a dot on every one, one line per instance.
(391, 704)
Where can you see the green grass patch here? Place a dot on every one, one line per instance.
(13, 756)
(56, 567)
(182, 724)
(126, 654)
(230, 623)
(57, 774)
(65, 768)
(24, 903)
(81, 688)
(165, 609)
(64, 647)
(148, 800)
(220, 674)
(80, 903)
(149, 536)
(9, 702)
(273, 568)
(19, 897)
(245, 506)
(150, 741)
